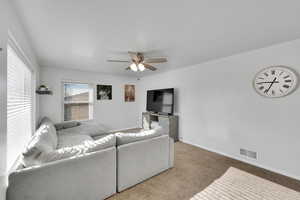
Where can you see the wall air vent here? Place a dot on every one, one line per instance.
(249, 154)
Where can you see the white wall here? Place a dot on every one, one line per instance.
(113, 114)
(220, 111)
(9, 22)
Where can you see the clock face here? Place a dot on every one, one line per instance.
(277, 81)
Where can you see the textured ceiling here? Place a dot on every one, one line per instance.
(80, 34)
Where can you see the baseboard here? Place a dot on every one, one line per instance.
(244, 160)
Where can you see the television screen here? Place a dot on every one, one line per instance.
(160, 101)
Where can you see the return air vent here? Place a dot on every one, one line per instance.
(250, 154)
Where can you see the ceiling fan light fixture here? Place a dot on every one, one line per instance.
(133, 67)
(138, 62)
(141, 67)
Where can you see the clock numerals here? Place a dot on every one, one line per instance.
(286, 86)
(280, 90)
(281, 73)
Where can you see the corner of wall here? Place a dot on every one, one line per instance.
(3, 86)
(3, 187)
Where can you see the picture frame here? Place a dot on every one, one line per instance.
(104, 92)
(129, 93)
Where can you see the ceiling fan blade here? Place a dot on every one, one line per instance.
(132, 52)
(134, 56)
(149, 67)
(156, 60)
(119, 61)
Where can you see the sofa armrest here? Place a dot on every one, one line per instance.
(141, 160)
(91, 176)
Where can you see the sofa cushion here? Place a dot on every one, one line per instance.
(97, 137)
(51, 130)
(102, 143)
(125, 138)
(72, 140)
(43, 141)
(85, 128)
(86, 147)
(64, 125)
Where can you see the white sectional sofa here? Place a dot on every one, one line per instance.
(80, 161)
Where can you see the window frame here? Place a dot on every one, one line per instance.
(92, 103)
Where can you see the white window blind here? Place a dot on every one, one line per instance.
(19, 106)
(78, 101)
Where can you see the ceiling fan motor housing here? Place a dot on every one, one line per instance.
(139, 58)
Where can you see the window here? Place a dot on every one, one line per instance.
(78, 101)
(19, 105)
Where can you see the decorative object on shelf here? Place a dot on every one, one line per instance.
(129, 93)
(44, 90)
(104, 92)
(275, 81)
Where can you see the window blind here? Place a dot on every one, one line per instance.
(19, 106)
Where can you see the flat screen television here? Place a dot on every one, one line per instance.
(160, 101)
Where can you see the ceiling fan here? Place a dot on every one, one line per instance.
(139, 62)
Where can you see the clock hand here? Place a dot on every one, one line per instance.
(268, 82)
(270, 85)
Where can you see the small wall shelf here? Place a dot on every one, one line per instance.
(47, 92)
(43, 90)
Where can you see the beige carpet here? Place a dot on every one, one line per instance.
(239, 185)
(194, 170)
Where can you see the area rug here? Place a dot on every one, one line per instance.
(239, 185)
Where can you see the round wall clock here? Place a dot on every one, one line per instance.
(275, 81)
